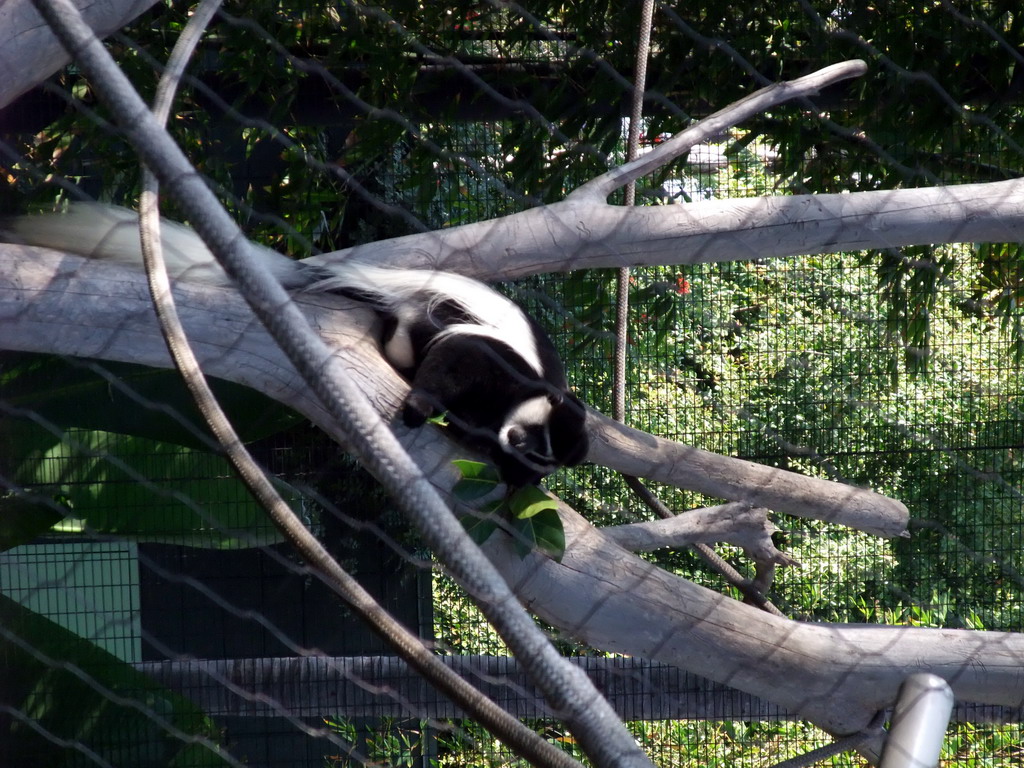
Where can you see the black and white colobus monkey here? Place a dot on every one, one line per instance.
(468, 352)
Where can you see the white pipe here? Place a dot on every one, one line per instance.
(919, 722)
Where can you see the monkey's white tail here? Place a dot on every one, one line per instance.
(110, 233)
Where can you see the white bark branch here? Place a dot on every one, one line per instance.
(28, 277)
(571, 235)
(597, 190)
(30, 52)
(837, 676)
(637, 453)
(737, 523)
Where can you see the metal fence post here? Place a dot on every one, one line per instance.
(919, 722)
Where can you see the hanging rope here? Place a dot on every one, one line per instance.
(705, 552)
(632, 150)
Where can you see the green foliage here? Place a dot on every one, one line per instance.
(391, 743)
(791, 364)
(528, 514)
(735, 744)
(131, 399)
(459, 626)
(969, 745)
(83, 706)
(145, 490)
(477, 480)
(910, 281)
(998, 291)
(889, 370)
(113, 450)
(470, 744)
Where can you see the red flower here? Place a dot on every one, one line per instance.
(682, 286)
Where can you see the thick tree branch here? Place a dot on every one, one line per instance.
(88, 305)
(639, 454)
(30, 52)
(835, 676)
(753, 590)
(583, 231)
(570, 235)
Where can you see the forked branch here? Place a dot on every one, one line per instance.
(736, 523)
(597, 190)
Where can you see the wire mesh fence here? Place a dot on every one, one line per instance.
(151, 613)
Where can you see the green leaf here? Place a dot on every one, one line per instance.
(478, 480)
(22, 520)
(476, 469)
(136, 488)
(99, 717)
(530, 500)
(441, 420)
(131, 399)
(534, 514)
(479, 526)
(543, 531)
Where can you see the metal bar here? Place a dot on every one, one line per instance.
(919, 721)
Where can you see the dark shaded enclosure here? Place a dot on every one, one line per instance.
(147, 599)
